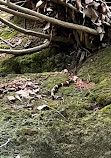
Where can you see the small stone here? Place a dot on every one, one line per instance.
(43, 107)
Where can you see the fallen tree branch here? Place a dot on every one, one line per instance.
(29, 32)
(25, 51)
(50, 19)
(37, 34)
(23, 15)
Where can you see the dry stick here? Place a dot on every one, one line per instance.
(29, 32)
(25, 51)
(50, 19)
(5, 143)
(37, 34)
(23, 15)
(6, 42)
(20, 2)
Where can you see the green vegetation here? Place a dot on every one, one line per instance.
(46, 60)
(78, 126)
(8, 33)
(3, 46)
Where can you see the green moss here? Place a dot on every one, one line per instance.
(102, 100)
(107, 109)
(9, 66)
(69, 128)
(97, 66)
(17, 20)
(46, 60)
(8, 33)
(3, 46)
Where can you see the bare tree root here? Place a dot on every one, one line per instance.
(25, 51)
(50, 19)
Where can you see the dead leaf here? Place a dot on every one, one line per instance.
(23, 94)
(39, 96)
(17, 43)
(99, 29)
(39, 3)
(91, 13)
(47, 26)
(88, 1)
(36, 90)
(101, 36)
(49, 10)
(11, 98)
(18, 97)
(78, 4)
(27, 44)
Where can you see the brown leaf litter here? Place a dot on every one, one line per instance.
(23, 88)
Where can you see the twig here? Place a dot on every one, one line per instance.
(6, 42)
(5, 143)
(20, 2)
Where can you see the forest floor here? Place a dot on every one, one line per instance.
(77, 126)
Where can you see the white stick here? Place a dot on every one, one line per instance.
(5, 143)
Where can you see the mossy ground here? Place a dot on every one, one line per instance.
(47, 60)
(70, 128)
(77, 127)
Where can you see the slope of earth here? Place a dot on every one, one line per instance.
(76, 127)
